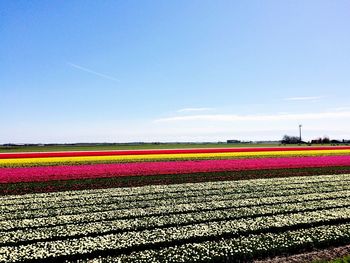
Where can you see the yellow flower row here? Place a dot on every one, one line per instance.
(150, 157)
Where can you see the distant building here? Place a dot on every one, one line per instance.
(233, 141)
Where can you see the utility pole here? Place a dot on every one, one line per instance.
(300, 132)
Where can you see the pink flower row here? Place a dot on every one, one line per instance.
(36, 174)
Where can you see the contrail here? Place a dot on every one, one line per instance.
(93, 72)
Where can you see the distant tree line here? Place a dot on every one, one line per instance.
(320, 140)
(327, 140)
(287, 139)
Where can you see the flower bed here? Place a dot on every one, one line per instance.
(211, 222)
(49, 161)
(166, 151)
(30, 174)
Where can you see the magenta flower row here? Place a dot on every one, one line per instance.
(36, 174)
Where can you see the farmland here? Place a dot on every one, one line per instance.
(109, 147)
(179, 205)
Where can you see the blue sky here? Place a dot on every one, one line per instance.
(118, 71)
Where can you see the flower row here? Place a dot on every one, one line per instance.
(249, 190)
(170, 236)
(239, 249)
(85, 213)
(37, 174)
(114, 220)
(172, 188)
(48, 161)
(165, 151)
(247, 196)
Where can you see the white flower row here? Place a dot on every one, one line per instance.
(111, 204)
(128, 240)
(163, 189)
(77, 226)
(240, 249)
(233, 207)
(206, 193)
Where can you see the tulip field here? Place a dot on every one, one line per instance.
(173, 205)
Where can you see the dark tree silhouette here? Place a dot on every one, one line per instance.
(290, 139)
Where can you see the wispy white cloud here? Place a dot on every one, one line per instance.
(92, 72)
(341, 109)
(303, 98)
(257, 117)
(195, 109)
